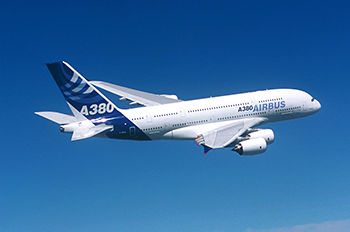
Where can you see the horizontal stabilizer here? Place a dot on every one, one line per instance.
(87, 133)
(57, 117)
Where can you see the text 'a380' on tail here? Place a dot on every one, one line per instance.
(91, 109)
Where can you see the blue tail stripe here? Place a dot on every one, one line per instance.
(90, 102)
(77, 91)
(73, 86)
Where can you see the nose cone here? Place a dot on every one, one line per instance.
(317, 105)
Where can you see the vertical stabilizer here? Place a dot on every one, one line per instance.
(82, 97)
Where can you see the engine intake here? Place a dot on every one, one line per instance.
(252, 146)
(266, 134)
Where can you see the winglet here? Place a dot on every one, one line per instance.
(206, 149)
(200, 141)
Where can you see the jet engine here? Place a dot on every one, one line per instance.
(255, 143)
(75, 126)
(251, 147)
(266, 134)
(70, 128)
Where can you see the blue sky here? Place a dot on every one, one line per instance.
(193, 49)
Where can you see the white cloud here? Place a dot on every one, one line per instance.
(334, 226)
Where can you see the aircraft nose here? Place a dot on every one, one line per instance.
(317, 105)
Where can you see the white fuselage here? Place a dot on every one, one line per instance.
(184, 120)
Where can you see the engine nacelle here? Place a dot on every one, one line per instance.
(75, 126)
(266, 134)
(252, 146)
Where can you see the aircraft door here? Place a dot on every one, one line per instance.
(304, 107)
(166, 127)
(132, 131)
(149, 117)
(253, 102)
(211, 119)
(182, 112)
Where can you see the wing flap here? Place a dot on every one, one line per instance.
(138, 97)
(225, 135)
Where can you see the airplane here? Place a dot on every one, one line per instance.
(216, 122)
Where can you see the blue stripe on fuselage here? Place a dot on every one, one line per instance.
(123, 128)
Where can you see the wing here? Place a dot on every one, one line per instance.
(225, 136)
(137, 97)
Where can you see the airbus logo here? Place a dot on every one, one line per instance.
(262, 107)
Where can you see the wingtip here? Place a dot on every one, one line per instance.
(206, 149)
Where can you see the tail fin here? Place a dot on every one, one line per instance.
(85, 101)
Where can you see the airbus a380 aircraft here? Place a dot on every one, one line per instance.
(215, 122)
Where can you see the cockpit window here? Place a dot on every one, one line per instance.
(312, 100)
